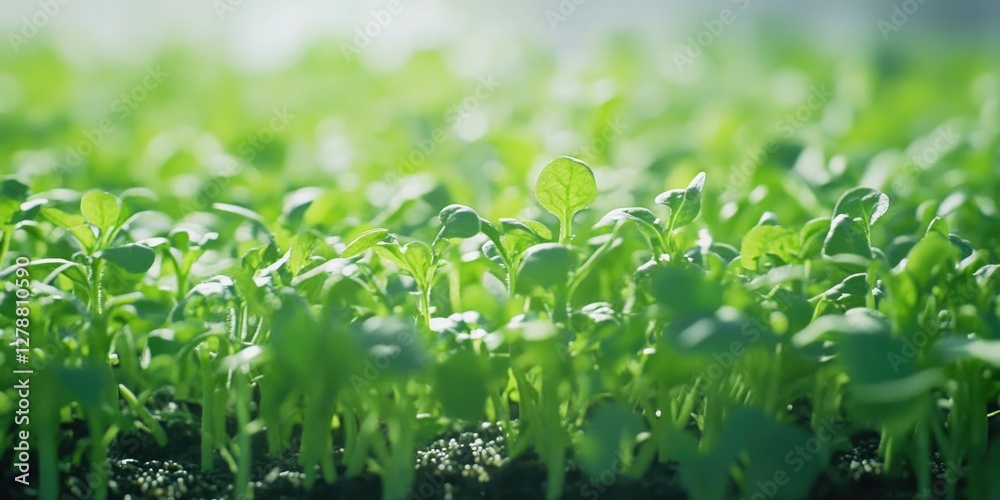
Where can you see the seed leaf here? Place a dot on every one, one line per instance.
(458, 221)
(566, 186)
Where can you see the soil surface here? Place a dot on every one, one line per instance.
(470, 463)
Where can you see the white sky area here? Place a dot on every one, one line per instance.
(262, 35)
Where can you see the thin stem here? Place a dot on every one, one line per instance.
(243, 435)
(207, 411)
(8, 233)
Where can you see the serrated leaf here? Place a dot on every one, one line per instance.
(566, 186)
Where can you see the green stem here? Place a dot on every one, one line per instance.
(774, 384)
(888, 456)
(8, 233)
(923, 458)
(48, 449)
(98, 454)
(555, 454)
(241, 488)
(207, 410)
(96, 301)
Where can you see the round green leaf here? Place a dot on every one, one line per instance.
(133, 258)
(458, 221)
(100, 209)
(545, 265)
(566, 186)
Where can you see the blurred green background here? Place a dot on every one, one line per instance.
(374, 102)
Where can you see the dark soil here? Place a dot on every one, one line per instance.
(471, 463)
